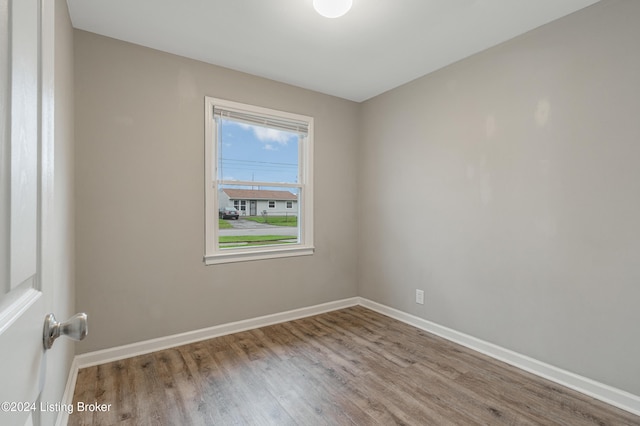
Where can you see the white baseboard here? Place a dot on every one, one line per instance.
(127, 351)
(600, 391)
(67, 397)
(613, 396)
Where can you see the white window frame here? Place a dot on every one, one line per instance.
(213, 253)
(288, 205)
(241, 206)
(269, 204)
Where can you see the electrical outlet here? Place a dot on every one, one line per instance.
(420, 297)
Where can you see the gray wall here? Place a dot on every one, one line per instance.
(140, 197)
(518, 169)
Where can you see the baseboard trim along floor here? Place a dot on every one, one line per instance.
(600, 391)
(140, 348)
(605, 393)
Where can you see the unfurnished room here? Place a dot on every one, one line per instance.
(319, 212)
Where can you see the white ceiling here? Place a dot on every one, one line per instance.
(378, 45)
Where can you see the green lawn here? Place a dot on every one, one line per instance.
(275, 220)
(223, 224)
(254, 240)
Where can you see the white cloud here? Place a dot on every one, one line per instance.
(272, 135)
(268, 135)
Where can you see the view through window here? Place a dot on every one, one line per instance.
(261, 181)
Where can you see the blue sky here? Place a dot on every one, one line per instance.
(254, 153)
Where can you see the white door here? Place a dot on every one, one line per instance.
(25, 131)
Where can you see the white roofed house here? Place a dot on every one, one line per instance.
(255, 202)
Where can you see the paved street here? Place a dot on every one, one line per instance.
(249, 227)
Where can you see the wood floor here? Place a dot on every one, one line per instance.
(348, 367)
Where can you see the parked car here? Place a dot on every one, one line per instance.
(228, 213)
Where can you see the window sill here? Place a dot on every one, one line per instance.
(248, 255)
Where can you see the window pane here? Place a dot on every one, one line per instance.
(259, 172)
(252, 153)
(262, 218)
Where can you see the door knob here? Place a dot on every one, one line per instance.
(74, 328)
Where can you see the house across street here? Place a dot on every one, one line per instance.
(253, 202)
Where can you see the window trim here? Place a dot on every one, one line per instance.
(212, 253)
(241, 206)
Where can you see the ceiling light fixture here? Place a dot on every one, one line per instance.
(332, 8)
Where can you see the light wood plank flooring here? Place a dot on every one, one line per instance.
(348, 367)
